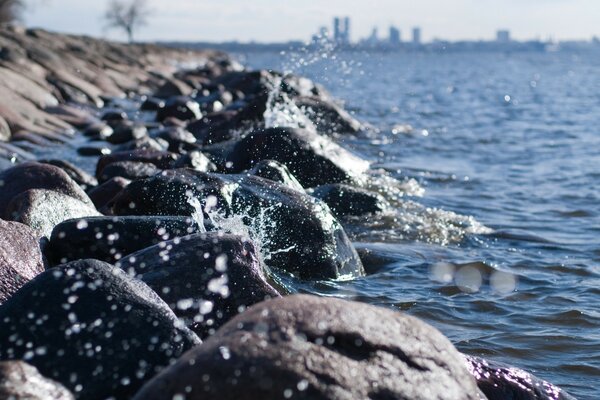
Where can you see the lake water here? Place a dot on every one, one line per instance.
(495, 236)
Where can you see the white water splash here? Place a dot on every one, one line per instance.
(282, 112)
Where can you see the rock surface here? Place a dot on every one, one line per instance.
(80, 324)
(20, 257)
(306, 347)
(348, 200)
(20, 381)
(276, 171)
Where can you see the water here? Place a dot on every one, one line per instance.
(494, 236)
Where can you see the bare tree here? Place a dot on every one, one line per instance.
(128, 15)
(10, 10)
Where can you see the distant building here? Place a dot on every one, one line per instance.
(337, 32)
(503, 36)
(341, 30)
(416, 38)
(347, 30)
(394, 36)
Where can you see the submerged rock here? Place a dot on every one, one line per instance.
(42, 210)
(348, 200)
(313, 159)
(298, 232)
(110, 238)
(92, 328)
(500, 382)
(20, 257)
(21, 381)
(206, 278)
(306, 347)
(33, 175)
(276, 171)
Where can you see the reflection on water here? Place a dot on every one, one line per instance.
(493, 236)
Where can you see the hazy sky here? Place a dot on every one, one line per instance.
(281, 20)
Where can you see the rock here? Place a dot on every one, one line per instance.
(91, 151)
(144, 143)
(110, 238)
(206, 278)
(314, 160)
(21, 381)
(327, 116)
(195, 160)
(32, 175)
(348, 200)
(82, 178)
(99, 131)
(112, 116)
(298, 232)
(276, 171)
(20, 257)
(103, 194)
(182, 108)
(124, 133)
(152, 104)
(500, 382)
(161, 159)
(4, 130)
(92, 328)
(178, 138)
(173, 87)
(130, 170)
(306, 347)
(42, 209)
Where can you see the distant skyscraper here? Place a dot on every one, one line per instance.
(347, 30)
(341, 30)
(416, 35)
(337, 36)
(394, 36)
(503, 36)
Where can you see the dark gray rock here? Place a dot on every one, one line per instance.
(161, 159)
(103, 194)
(299, 233)
(130, 170)
(313, 159)
(195, 160)
(92, 328)
(42, 210)
(503, 382)
(306, 347)
(114, 116)
(91, 151)
(276, 171)
(32, 175)
(178, 138)
(126, 132)
(182, 108)
(20, 257)
(21, 381)
(99, 131)
(82, 178)
(110, 238)
(152, 104)
(349, 200)
(206, 278)
(145, 143)
(327, 116)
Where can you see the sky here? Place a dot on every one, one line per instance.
(283, 20)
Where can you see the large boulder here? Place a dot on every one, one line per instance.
(42, 209)
(33, 175)
(307, 347)
(129, 170)
(92, 328)
(345, 200)
(110, 238)
(161, 159)
(20, 257)
(206, 278)
(313, 159)
(276, 171)
(82, 178)
(297, 233)
(501, 382)
(20, 381)
(327, 116)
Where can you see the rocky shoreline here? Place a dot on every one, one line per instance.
(151, 199)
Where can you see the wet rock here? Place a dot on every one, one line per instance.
(152, 104)
(4, 130)
(306, 347)
(82, 178)
(21, 381)
(99, 131)
(92, 328)
(42, 209)
(206, 278)
(276, 171)
(313, 159)
(20, 257)
(178, 138)
(110, 238)
(113, 116)
(91, 151)
(348, 200)
(130, 170)
(124, 133)
(103, 194)
(160, 159)
(32, 175)
(173, 87)
(299, 233)
(500, 382)
(327, 116)
(144, 143)
(182, 108)
(195, 160)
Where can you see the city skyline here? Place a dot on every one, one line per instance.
(271, 21)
